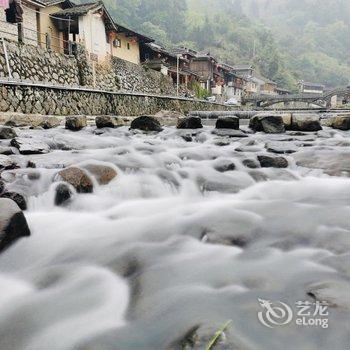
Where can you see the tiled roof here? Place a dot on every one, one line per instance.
(78, 10)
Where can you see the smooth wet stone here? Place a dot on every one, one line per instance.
(16, 197)
(7, 133)
(146, 123)
(341, 122)
(7, 151)
(270, 124)
(190, 123)
(76, 123)
(13, 224)
(2, 187)
(305, 122)
(223, 166)
(30, 145)
(6, 163)
(272, 162)
(104, 174)
(281, 147)
(108, 121)
(229, 133)
(50, 122)
(63, 194)
(227, 123)
(250, 163)
(77, 178)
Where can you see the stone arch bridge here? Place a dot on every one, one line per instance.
(322, 100)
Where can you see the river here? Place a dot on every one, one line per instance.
(189, 235)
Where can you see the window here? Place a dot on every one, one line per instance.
(128, 46)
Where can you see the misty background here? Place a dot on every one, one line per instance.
(285, 40)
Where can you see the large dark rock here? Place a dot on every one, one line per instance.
(2, 187)
(30, 146)
(63, 194)
(50, 122)
(230, 133)
(271, 124)
(146, 123)
(341, 122)
(104, 174)
(272, 162)
(227, 123)
(305, 122)
(17, 198)
(76, 123)
(7, 133)
(78, 179)
(13, 224)
(190, 123)
(108, 121)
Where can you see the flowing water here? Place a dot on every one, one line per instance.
(185, 238)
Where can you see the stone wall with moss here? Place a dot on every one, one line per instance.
(41, 99)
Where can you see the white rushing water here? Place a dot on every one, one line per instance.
(174, 243)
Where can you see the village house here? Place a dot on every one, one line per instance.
(57, 24)
(204, 65)
(281, 91)
(310, 88)
(269, 87)
(243, 70)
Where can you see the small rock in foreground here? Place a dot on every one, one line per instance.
(30, 146)
(146, 123)
(76, 123)
(341, 122)
(78, 179)
(6, 163)
(63, 194)
(190, 123)
(104, 174)
(7, 133)
(13, 224)
(17, 198)
(272, 162)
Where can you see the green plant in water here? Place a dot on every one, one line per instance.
(217, 335)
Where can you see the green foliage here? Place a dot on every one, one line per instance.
(200, 92)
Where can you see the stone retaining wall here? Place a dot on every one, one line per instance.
(40, 99)
(36, 64)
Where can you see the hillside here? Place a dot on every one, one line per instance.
(286, 40)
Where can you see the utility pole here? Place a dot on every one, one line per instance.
(177, 74)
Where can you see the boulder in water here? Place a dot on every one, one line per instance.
(30, 146)
(63, 194)
(2, 187)
(146, 123)
(229, 122)
(281, 147)
(305, 122)
(341, 122)
(17, 198)
(104, 174)
(6, 163)
(76, 123)
(272, 162)
(190, 123)
(7, 133)
(78, 179)
(50, 122)
(271, 124)
(108, 121)
(13, 224)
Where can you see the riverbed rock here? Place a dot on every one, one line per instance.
(30, 146)
(227, 123)
(17, 198)
(108, 121)
(230, 133)
(280, 147)
(2, 187)
(76, 123)
(7, 133)
(77, 178)
(63, 194)
(272, 162)
(6, 163)
(190, 123)
(7, 151)
(23, 120)
(13, 224)
(146, 123)
(341, 122)
(270, 124)
(305, 122)
(104, 174)
(50, 122)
